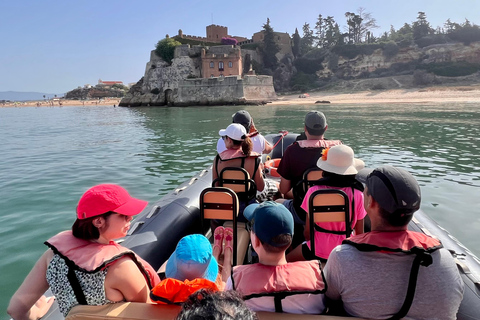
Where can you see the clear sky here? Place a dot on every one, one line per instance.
(54, 46)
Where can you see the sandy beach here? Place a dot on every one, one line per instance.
(462, 94)
(440, 94)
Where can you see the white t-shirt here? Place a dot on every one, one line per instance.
(258, 144)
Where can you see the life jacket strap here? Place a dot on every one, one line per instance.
(421, 258)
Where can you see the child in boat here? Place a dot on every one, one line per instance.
(84, 265)
(339, 169)
(191, 267)
(273, 284)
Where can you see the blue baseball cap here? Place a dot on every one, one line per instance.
(269, 219)
(192, 259)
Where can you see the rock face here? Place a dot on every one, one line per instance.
(94, 93)
(180, 83)
(406, 58)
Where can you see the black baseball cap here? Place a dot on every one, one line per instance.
(316, 122)
(395, 189)
(242, 117)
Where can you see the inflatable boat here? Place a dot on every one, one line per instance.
(156, 231)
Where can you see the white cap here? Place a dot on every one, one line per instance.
(234, 131)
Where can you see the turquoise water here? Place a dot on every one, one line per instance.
(50, 156)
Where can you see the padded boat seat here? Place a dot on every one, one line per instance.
(141, 311)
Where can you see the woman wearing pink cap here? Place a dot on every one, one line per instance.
(84, 265)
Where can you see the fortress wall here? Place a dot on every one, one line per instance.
(258, 88)
(219, 90)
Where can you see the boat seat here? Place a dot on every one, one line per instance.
(141, 311)
(221, 203)
(238, 180)
(327, 205)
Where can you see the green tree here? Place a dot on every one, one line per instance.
(421, 27)
(333, 35)
(320, 31)
(270, 47)
(296, 44)
(354, 22)
(165, 49)
(306, 43)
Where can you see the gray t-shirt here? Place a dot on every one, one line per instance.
(373, 285)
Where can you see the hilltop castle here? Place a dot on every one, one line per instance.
(200, 75)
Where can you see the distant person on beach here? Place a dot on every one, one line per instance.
(392, 272)
(339, 168)
(85, 265)
(299, 157)
(272, 284)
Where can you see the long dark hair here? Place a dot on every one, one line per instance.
(84, 228)
(246, 145)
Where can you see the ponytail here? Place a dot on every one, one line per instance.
(247, 146)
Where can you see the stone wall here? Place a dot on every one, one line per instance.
(258, 88)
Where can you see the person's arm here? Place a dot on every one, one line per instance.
(259, 178)
(268, 147)
(214, 170)
(285, 186)
(359, 227)
(124, 278)
(28, 302)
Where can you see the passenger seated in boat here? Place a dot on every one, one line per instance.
(219, 305)
(375, 274)
(260, 145)
(85, 265)
(273, 284)
(339, 168)
(190, 268)
(238, 154)
(299, 157)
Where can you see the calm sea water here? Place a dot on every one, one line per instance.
(50, 156)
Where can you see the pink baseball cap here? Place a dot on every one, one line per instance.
(108, 197)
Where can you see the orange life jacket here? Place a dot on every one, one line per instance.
(407, 242)
(173, 291)
(294, 278)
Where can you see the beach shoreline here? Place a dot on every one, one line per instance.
(440, 94)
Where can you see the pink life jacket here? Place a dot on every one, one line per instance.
(318, 143)
(90, 256)
(294, 278)
(407, 242)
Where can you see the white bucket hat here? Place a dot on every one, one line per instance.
(234, 131)
(340, 160)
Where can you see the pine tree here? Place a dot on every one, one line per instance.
(306, 43)
(270, 47)
(296, 44)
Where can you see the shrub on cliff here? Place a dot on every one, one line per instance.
(165, 49)
(229, 41)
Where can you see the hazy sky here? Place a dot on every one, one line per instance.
(54, 46)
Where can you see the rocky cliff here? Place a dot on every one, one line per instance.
(404, 62)
(181, 83)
